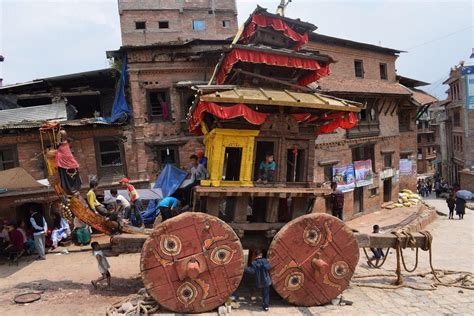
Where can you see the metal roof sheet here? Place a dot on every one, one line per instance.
(55, 111)
(282, 98)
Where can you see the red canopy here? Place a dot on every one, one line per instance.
(274, 59)
(276, 24)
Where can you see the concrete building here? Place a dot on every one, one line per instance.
(145, 22)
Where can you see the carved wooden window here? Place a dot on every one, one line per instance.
(8, 158)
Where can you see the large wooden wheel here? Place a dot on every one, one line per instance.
(192, 263)
(313, 259)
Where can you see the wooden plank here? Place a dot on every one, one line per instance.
(256, 226)
(240, 212)
(271, 213)
(385, 240)
(213, 206)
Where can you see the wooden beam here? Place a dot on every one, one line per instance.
(389, 107)
(256, 226)
(386, 240)
(395, 107)
(251, 74)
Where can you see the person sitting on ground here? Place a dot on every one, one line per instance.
(337, 201)
(68, 167)
(168, 206)
(260, 267)
(202, 160)
(28, 236)
(378, 252)
(81, 232)
(267, 168)
(451, 201)
(17, 241)
(61, 230)
(123, 206)
(102, 263)
(94, 204)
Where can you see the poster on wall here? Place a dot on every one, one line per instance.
(345, 178)
(363, 173)
(406, 166)
(468, 73)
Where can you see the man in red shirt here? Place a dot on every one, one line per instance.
(17, 240)
(135, 199)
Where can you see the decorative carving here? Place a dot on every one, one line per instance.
(280, 123)
(170, 245)
(339, 269)
(222, 255)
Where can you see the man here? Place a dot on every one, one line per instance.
(260, 267)
(337, 201)
(198, 173)
(40, 227)
(201, 158)
(94, 204)
(123, 206)
(167, 206)
(132, 194)
(378, 252)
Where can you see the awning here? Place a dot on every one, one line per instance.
(285, 98)
(273, 58)
(18, 179)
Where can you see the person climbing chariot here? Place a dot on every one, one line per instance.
(68, 167)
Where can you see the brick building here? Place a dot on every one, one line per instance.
(366, 73)
(146, 22)
(459, 126)
(75, 101)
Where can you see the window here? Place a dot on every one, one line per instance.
(404, 121)
(328, 175)
(140, 25)
(159, 105)
(8, 158)
(359, 68)
(163, 24)
(457, 119)
(110, 153)
(383, 72)
(295, 165)
(404, 156)
(364, 153)
(226, 24)
(232, 163)
(373, 192)
(387, 160)
(368, 121)
(199, 25)
(167, 155)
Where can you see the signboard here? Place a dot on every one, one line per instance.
(345, 178)
(387, 173)
(468, 73)
(406, 166)
(363, 173)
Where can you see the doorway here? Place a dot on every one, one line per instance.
(263, 148)
(358, 200)
(232, 163)
(387, 190)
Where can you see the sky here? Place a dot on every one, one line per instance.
(41, 38)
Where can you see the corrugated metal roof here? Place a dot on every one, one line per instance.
(282, 98)
(48, 112)
(37, 124)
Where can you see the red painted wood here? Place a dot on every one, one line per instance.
(313, 259)
(192, 263)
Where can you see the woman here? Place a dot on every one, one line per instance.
(68, 167)
(460, 207)
(61, 230)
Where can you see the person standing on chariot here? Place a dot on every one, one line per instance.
(68, 167)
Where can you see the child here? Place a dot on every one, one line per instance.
(451, 204)
(266, 170)
(378, 252)
(102, 263)
(260, 267)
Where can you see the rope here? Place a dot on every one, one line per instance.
(137, 304)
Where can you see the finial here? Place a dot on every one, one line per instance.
(282, 6)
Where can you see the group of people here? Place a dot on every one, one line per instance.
(426, 186)
(15, 238)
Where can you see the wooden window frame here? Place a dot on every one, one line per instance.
(158, 118)
(137, 23)
(164, 28)
(384, 73)
(361, 62)
(158, 150)
(108, 169)
(15, 161)
(198, 29)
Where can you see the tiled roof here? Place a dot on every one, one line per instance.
(422, 97)
(361, 86)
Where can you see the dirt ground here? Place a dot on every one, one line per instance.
(64, 280)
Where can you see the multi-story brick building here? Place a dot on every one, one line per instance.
(459, 126)
(145, 22)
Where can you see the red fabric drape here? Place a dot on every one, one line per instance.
(344, 120)
(274, 59)
(64, 157)
(276, 24)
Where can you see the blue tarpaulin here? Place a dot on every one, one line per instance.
(169, 180)
(120, 109)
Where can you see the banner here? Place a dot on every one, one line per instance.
(345, 178)
(363, 173)
(468, 73)
(406, 167)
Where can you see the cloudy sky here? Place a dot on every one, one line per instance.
(41, 38)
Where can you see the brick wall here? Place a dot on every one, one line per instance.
(180, 20)
(467, 180)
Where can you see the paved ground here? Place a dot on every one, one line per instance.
(65, 281)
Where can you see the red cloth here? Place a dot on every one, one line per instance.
(274, 59)
(17, 240)
(344, 120)
(65, 158)
(276, 24)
